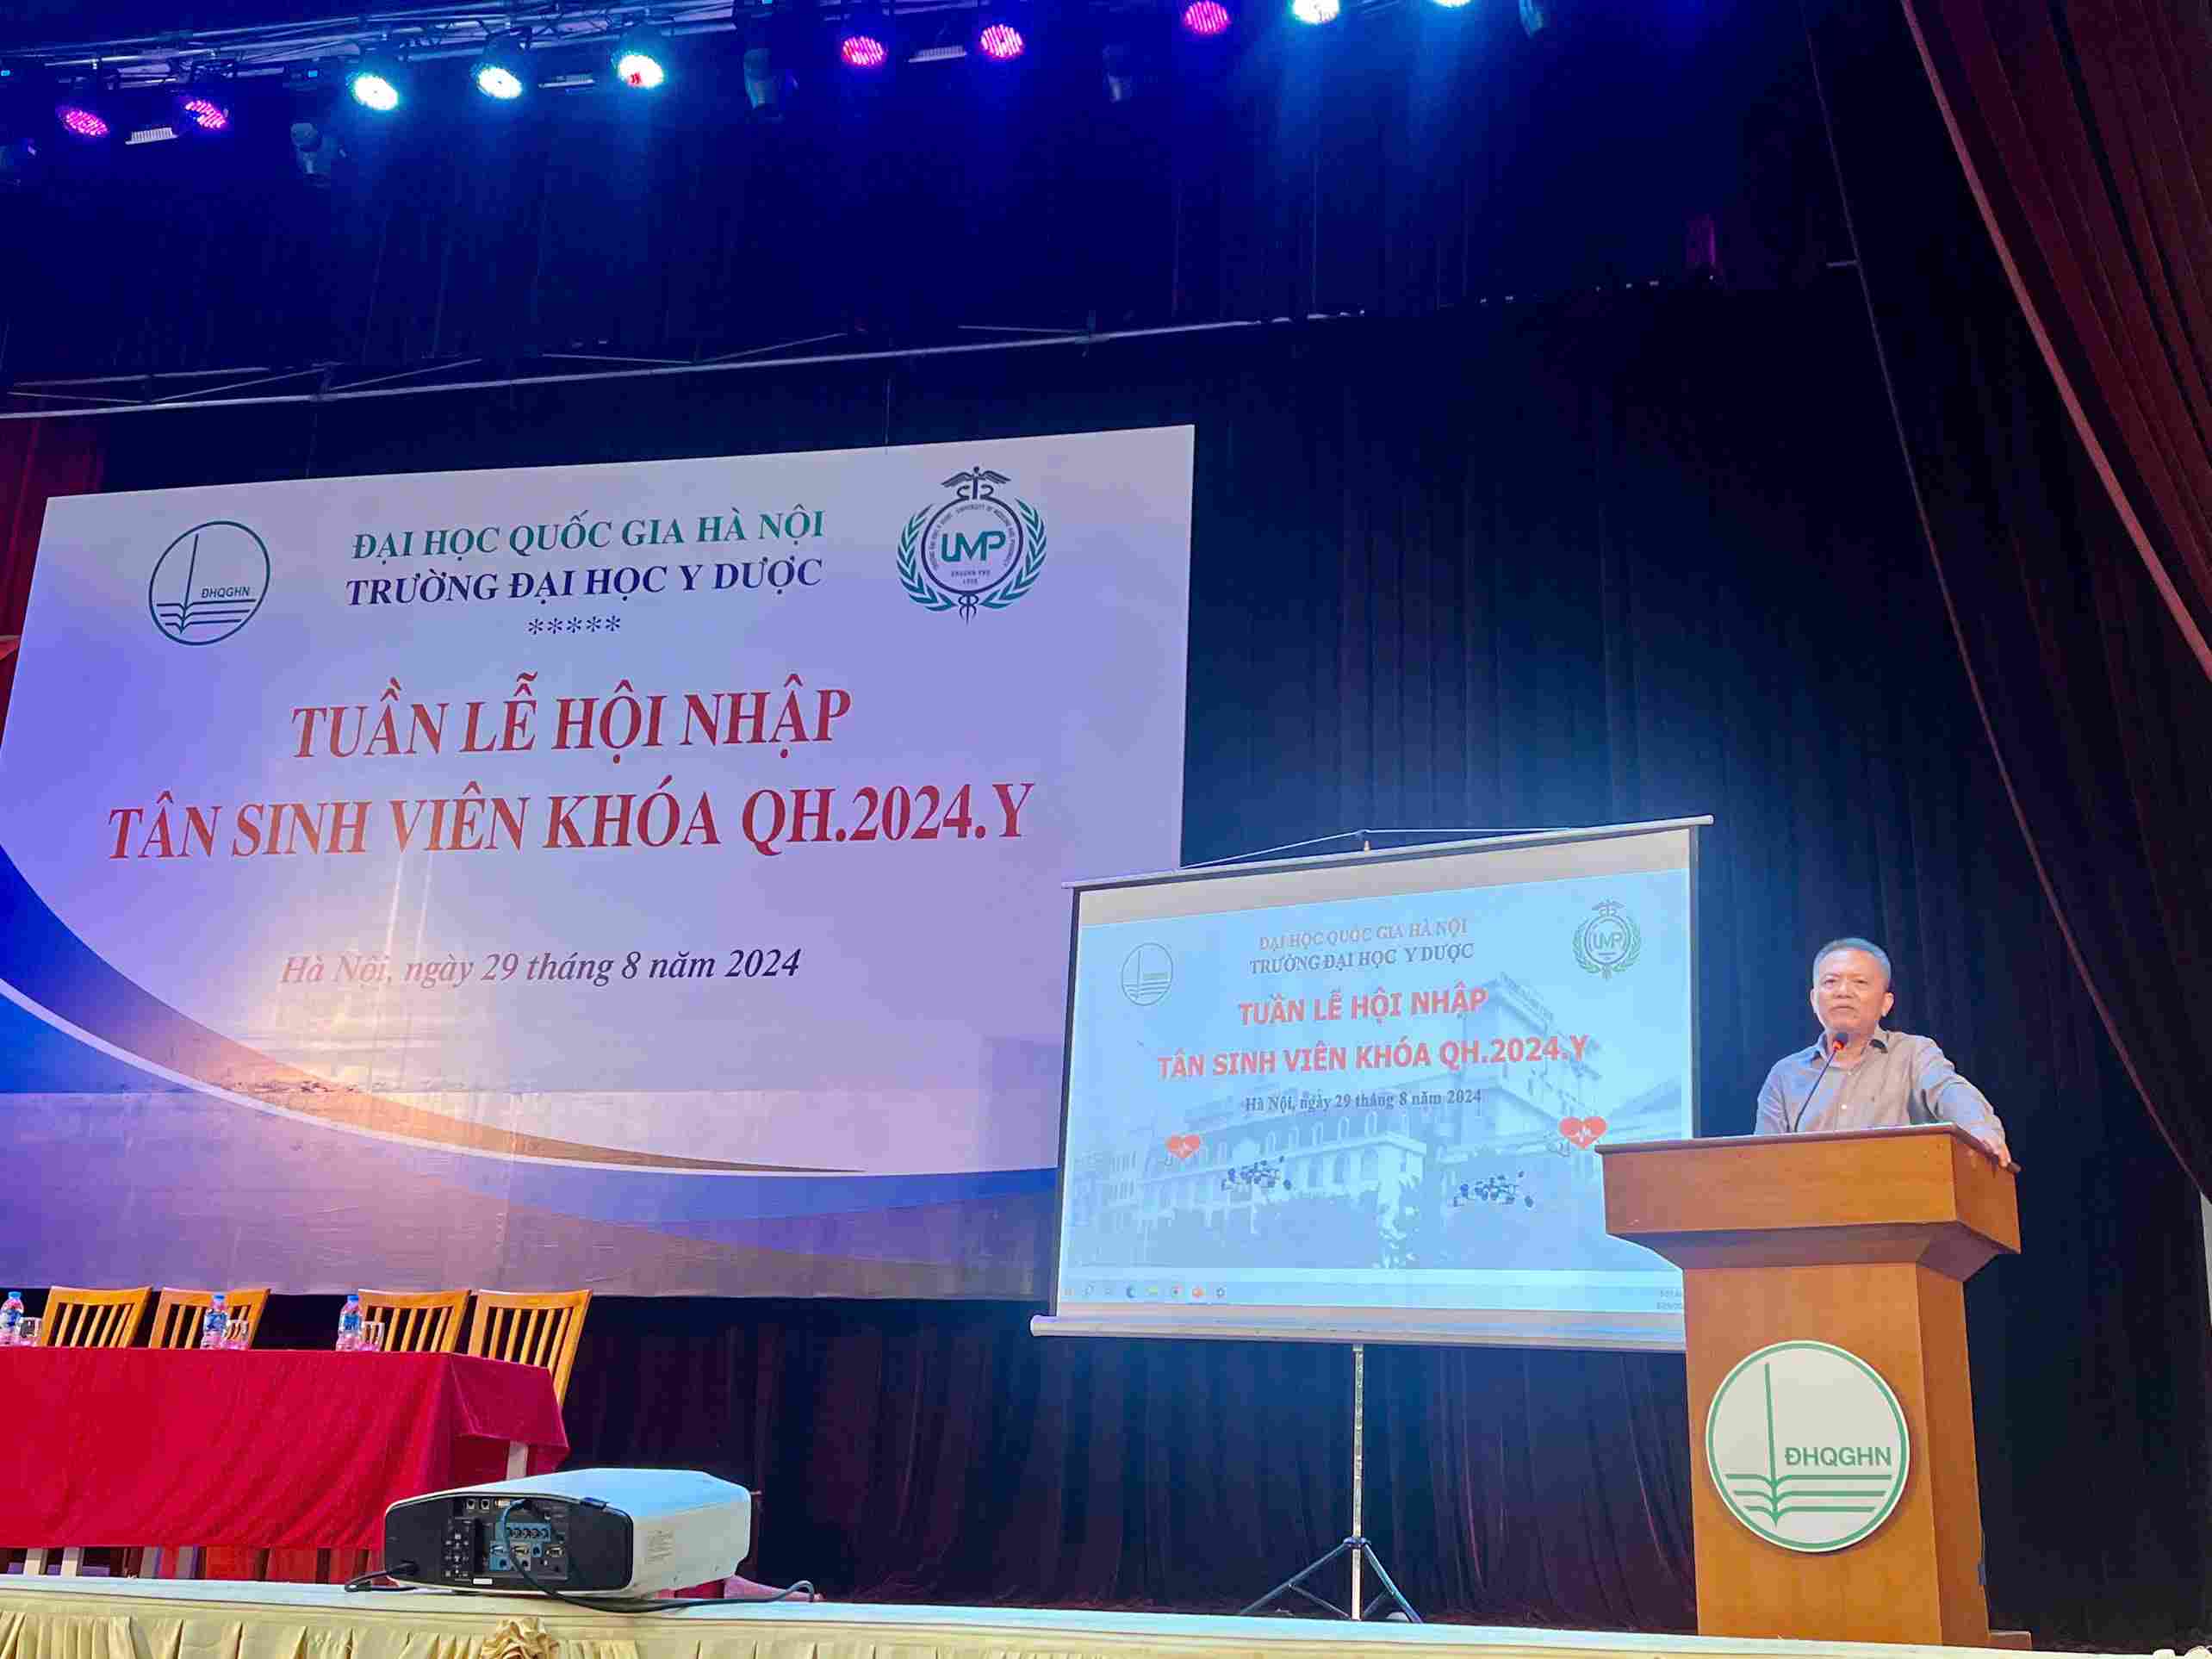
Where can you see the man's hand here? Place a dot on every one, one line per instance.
(1995, 1146)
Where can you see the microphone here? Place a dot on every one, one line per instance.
(1833, 1041)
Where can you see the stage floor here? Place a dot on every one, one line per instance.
(136, 1619)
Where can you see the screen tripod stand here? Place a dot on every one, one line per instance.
(1357, 1546)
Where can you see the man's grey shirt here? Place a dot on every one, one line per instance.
(1902, 1079)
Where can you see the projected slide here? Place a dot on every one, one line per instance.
(1363, 1097)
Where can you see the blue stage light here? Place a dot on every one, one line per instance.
(374, 84)
(502, 70)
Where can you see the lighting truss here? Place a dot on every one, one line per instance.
(424, 34)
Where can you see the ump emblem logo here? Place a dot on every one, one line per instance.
(978, 551)
(1148, 975)
(1807, 1446)
(1608, 941)
(208, 583)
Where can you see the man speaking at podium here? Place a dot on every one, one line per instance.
(1859, 1075)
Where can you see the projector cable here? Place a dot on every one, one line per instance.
(801, 1590)
(366, 1583)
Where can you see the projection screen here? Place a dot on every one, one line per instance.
(1358, 1098)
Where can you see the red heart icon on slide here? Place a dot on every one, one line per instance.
(1583, 1131)
(1181, 1146)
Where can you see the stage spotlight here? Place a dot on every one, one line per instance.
(19, 161)
(1208, 18)
(22, 121)
(315, 151)
(204, 109)
(641, 60)
(998, 37)
(81, 120)
(1315, 12)
(763, 83)
(768, 66)
(1119, 60)
(204, 114)
(374, 84)
(502, 70)
(864, 40)
(205, 106)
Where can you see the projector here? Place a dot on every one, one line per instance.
(588, 1531)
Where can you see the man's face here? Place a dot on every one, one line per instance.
(1850, 993)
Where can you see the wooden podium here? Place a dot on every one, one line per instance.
(1861, 1240)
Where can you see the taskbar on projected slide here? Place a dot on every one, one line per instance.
(1417, 1291)
(1307, 1321)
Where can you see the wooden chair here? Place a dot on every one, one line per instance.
(416, 1322)
(92, 1319)
(178, 1316)
(532, 1329)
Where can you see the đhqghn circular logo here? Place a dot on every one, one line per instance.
(207, 583)
(1807, 1446)
(1148, 975)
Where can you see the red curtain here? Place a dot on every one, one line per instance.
(2085, 130)
(2085, 670)
(38, 459)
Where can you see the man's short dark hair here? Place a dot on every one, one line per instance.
(1852, 943)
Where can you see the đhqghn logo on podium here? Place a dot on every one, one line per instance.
(1807, 1445)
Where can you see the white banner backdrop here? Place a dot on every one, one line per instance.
(697, 823)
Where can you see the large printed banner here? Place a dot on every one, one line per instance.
(641, 876)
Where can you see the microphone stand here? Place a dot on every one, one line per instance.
(1834, 1046)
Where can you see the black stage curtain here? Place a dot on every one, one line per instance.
(1630, 558)
(1407, 160)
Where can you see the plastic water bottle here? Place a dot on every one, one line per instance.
(11, 1317)
(349, 1326)
(217, 1323)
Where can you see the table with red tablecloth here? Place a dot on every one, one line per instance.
(270, 1450)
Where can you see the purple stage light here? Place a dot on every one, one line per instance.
(206, 113)
(1206, 17)
(863, 52)
(1001, 41)
(80, 123)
